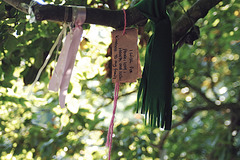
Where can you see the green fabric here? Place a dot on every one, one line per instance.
(155, 90)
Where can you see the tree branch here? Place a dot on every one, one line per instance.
(115, 18)
(211, 103)
(191, 113)
(112, 99)
(17, 4)
(186, 21)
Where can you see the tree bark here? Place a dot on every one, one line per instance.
(115, 18)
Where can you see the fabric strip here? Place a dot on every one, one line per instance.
(63, 71)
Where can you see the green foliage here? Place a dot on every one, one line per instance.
(206, 81)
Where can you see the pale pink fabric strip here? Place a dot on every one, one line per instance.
(63, 70)
(77, 33)
(56, 79)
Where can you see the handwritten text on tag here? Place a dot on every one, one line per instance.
(125, 57)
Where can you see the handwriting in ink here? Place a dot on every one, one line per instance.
(120, 54)
(131, 56)
(115, 73)
(124, 54)
(114, 63)
(131, 69)
(124, 65)
(116, 43)
(120, 75)
(120, 66)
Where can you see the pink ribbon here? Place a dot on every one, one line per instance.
(63, 71)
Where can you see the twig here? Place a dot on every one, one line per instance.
(114, 18)
(211, 103)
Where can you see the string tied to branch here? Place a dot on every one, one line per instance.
(116, 91)
(29, 8)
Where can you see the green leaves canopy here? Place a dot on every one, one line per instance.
(206, 93)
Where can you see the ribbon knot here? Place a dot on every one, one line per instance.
(63, 71)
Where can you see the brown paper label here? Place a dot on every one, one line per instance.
(125, 58)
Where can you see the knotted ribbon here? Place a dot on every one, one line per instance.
(155, 90)
(63, 71)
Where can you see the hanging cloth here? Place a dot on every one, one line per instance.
(155, 90)
(63, 71)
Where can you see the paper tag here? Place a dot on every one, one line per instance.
(125, 58)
